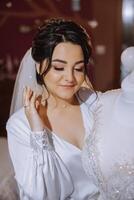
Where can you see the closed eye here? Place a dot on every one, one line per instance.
(80, 69)
(58, 68)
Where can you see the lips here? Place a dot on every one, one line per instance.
(67, 86)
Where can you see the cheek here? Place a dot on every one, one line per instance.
(51, 77)
(80, 79)
(51, 80)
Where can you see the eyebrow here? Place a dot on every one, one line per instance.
(65, 62)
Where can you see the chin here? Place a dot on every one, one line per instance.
(65, 95)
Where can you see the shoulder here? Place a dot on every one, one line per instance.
(110, 95)
(18, 123)
(93, 97)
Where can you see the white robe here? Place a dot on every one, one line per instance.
(46, 166)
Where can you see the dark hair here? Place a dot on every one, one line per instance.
(51, 33)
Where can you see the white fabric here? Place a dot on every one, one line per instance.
(26, 76)
(46, 166)
(109, 148)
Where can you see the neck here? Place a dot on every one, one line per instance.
(56, 102)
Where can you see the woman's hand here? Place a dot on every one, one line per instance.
(32, 106)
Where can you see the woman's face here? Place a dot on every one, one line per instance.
(66, 74)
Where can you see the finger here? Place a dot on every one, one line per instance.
(33, 100)
(27, 97)
(37, 104)
(43, 101)
(29, 92)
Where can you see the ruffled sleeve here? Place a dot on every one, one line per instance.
(39, 171)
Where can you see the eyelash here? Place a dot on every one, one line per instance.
(58, 68)
(80, 69)
(62, 69)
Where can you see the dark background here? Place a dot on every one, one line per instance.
(19, 19)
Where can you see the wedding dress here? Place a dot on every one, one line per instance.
(108, 153)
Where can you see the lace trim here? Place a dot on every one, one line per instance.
(118, 186)
(90, 155)
(40, 141)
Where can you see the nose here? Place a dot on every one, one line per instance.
(69, 76)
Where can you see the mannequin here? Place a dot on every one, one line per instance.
(109, 148)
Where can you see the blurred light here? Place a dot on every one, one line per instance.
(76, 5)
(93, 23)
(100, 49)
(9, 4)
(128, 11)
(37, 21)
(24, 29)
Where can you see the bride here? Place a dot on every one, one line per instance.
(46, 136)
